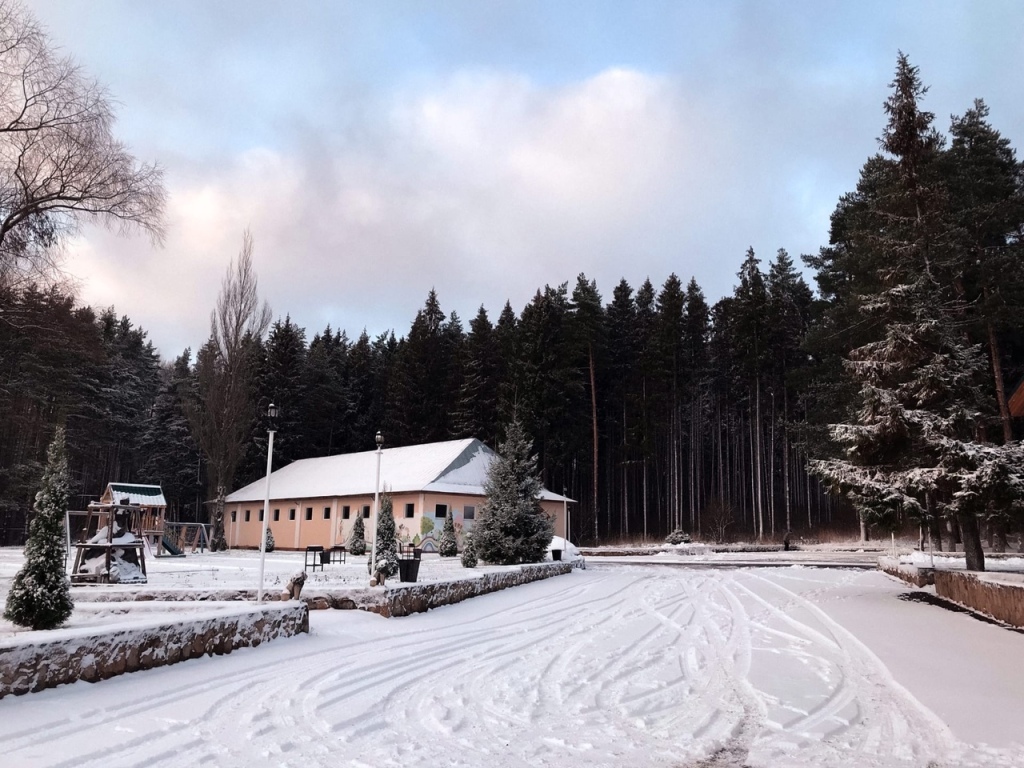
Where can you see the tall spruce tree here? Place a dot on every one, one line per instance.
(911, 448)
(40, 596)
(512, 527)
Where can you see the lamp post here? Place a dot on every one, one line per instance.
(376, 510)
(565, 514)
(272, 415)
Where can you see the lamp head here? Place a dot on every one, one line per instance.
(380, 439)
(272, 411)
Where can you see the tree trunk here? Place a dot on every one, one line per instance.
(972, 543)
(218, 541)
(593, 418)
(934, 529)
(863, 527)
(997, 374)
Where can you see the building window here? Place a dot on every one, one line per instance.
(234, 516)
(345, 512)
(327, 513)
(410, 510)
(440, 510)
(247, 513)
(261, 515)
(277, 515)
(309, 513)
(366, 510)
(291, 514)
(468, 512)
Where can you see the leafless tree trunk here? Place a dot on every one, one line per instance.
(222, 414)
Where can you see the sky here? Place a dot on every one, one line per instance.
(486, 149)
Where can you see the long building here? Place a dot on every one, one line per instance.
(316, 501)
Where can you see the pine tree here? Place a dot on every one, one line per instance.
(468, 552)
(449, 547)
(512, 527)
(270, 540)
(40, 596)
(357, 541)
(386, 544)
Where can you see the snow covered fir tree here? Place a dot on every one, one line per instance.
(512, 527)
(40, 596)
(468, 557)
(386, 545)
(914, 447)
(269, 546)
(357, 541)
(448, 546)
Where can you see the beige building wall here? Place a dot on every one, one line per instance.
(298, 523)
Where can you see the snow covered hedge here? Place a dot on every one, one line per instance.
(35, 661)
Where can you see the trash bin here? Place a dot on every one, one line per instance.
(556, 554)
(408, 569)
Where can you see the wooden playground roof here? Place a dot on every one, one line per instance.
(136, 493)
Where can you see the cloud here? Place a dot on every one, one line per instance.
(483, 185)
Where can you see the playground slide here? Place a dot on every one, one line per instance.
(171, 549)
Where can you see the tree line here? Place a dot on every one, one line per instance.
(881, 398)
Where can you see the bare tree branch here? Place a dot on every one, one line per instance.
(60, 164)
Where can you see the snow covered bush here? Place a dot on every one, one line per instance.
(512, 527)
(468, 553)
(357, 542)
(387, 543)
(269, 547)
(678, 536)
(449, 547)
(40, 596)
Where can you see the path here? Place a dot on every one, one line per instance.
(615, 666)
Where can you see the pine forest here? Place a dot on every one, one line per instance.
(861, 388)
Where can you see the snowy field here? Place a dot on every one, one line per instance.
(618, 665)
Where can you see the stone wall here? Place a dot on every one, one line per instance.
(66, 656)
(911, 574)
(999, 596)
(398, 599)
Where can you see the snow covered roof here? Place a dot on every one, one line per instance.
(455, 466)
(145, 495)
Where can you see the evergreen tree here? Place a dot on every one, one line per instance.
(449, 547)
(910, 448)
(512, 526)
(387, 539)
(357, 541)
(468, 559)
(40, 596)
(170, 456)
(270, 540)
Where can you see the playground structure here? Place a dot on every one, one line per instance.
(111, 538)
(108, 549)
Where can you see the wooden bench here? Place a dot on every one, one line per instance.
(314, 558)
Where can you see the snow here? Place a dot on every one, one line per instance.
(617, 665)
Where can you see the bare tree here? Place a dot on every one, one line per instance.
(59, 161)
(221, 414)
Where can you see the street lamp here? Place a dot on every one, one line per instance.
(271, 417)
(565, 514)
(376, 511)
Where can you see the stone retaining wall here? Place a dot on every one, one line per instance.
(1002, 600)
(911, 574)
(97, 653)
(398, 599)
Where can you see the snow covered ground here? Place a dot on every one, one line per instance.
(618, 665)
